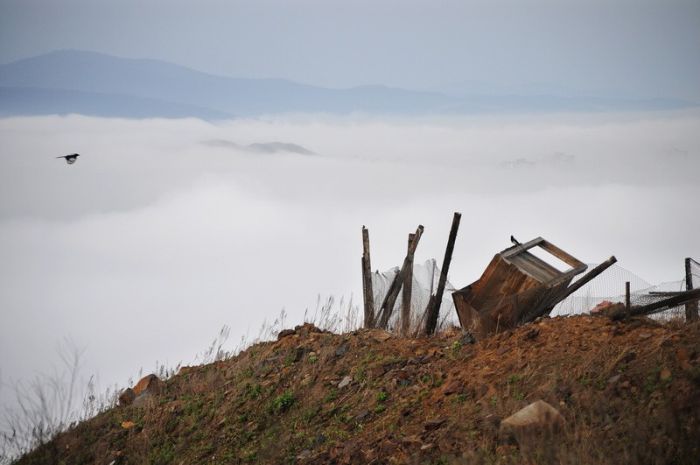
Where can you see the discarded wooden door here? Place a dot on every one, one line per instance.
(516, 287)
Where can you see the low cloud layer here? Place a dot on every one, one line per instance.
(153, 240)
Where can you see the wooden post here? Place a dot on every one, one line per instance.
(691, 308)
(368, 292)
(627, 298)
(387, 307)
(586, 278)
(434, 309)
(406, 295)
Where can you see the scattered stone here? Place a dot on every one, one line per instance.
(320, 439)
(538, 418)
(628, 357)
(126, 397)
(380, 335)
(306, 329)
(285, 333)
(531, 334)
(426, 447)
(128, 424)
(684, 358)
(342, 349)
(185, 370)
(467, 338)
(303, 455)
(453, 387)
(299, 354)
(344, 382)
(644, 336)
(665, 374)
(362, 415)
(614, 379)
(149, 383)
(432, 425)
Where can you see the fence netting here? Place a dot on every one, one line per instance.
(610, 286)
(424, 284)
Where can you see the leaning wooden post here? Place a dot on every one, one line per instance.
(388, 305)
(434, 309)
(677, 300)
(368, 292)
(406, 295)
(587, 277)
(691, 308)
(627, 298)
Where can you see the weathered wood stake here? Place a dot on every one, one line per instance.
(691, 308)
(627, 298)
(434, 307)
(680, 299)
(406, 292)
(387, 307)
(368, 292)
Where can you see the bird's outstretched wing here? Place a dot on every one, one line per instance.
(70, 159)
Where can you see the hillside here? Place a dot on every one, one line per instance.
(629, 393)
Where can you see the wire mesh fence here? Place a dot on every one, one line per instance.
(610, 286)
(424, 284)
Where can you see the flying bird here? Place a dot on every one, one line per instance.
(70, 159)
(514, 240)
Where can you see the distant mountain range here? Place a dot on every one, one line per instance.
(91, 83)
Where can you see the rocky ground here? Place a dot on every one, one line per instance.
(627, 392)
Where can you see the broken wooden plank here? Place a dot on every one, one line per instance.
(368, 292)
(587, 277)
(675, 301)
(387, 307)
(406, 295)
(691, 308)
(433, 311)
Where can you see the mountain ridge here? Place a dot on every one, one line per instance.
(179, 88)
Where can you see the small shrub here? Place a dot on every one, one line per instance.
(283, 402)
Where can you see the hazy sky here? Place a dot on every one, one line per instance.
(645, 48)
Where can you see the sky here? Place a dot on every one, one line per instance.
(621, 48)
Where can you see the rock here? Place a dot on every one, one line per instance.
(344, 382)
(614, 379)
(531, 334)
(453, 387)
(467, 338)
(684, 358)
(537, 419)
(128, 424)
(147, 387)
(150, 384)
(665, 374)
(303, 455)
(306, 329)
(432, 425)
(361, 416)
(380, 335)
(285, 333)
(127, 397)
(342, 349)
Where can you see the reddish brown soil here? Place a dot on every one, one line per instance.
(629, 392)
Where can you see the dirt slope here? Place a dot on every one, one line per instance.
(629, 392)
